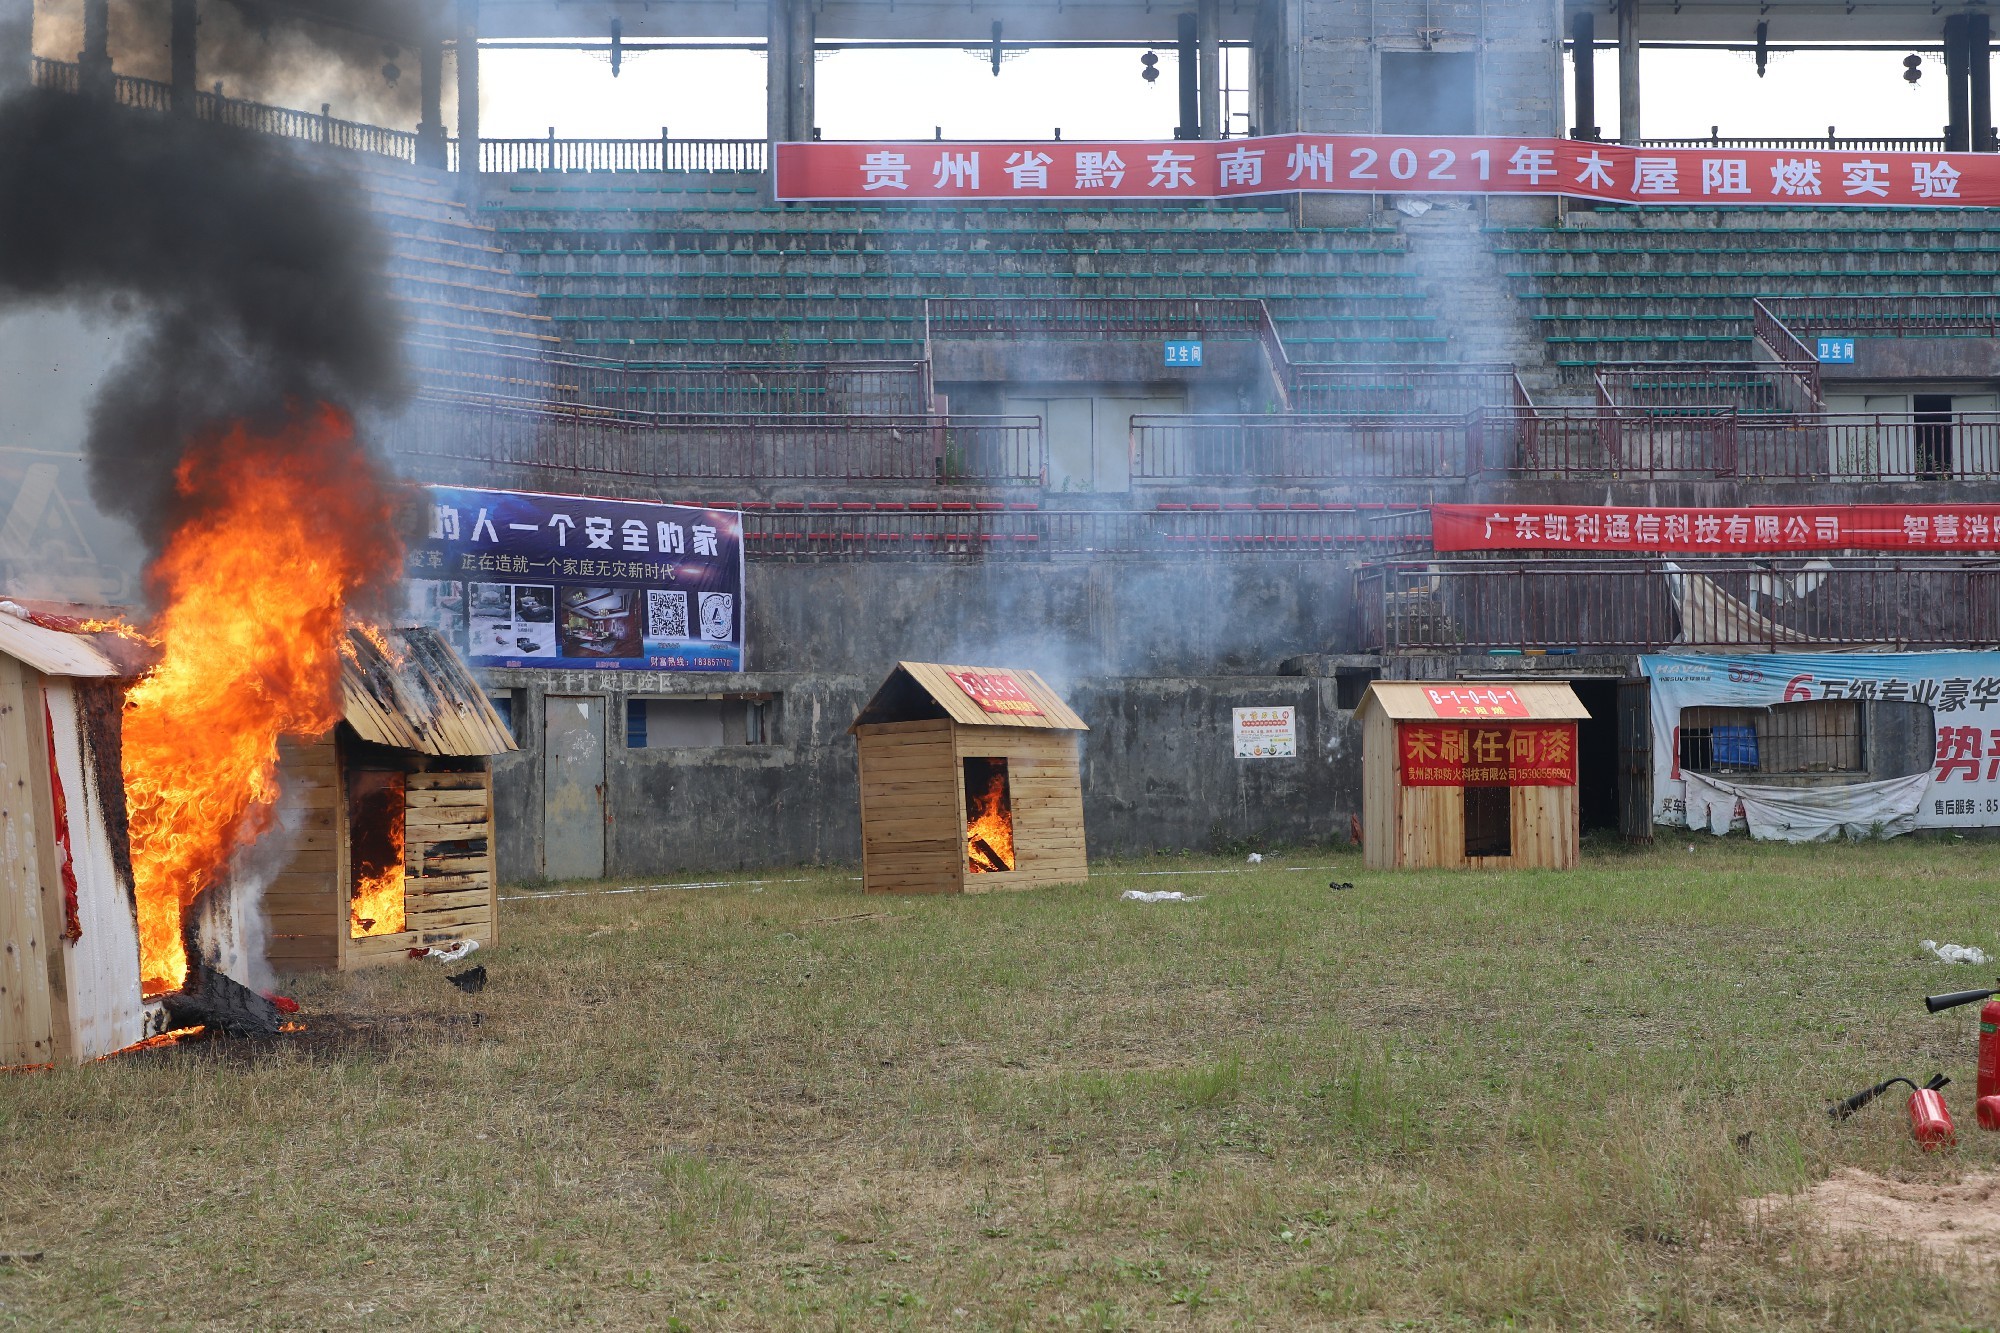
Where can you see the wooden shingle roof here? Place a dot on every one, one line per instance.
(917, 690)
(418, 696)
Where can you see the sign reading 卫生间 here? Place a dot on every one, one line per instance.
(1960, 787)
(522, 579)
(996, 692)
(1970, 527)
(1519, 754)
(1380, 163)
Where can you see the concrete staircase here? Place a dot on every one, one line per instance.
(1475, 305)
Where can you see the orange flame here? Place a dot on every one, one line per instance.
(989, 833)
(377, 907)
(284, 531)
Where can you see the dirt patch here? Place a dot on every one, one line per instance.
(1953, 1221)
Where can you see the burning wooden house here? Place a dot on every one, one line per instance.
(69, 942)
(1469, 774)
(971, 782)
(384, 837)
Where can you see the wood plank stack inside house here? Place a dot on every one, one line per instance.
(1469, 774)
(970, 782)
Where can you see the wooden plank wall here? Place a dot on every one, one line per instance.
(27, 1020)
(1045, 784)
(1546, 828)
(448, 849)
(1380, 803)
(912, 808)
(305, 904)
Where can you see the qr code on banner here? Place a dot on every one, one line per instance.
(666, 614)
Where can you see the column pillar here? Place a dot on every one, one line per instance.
(94, 60)
(1188, 64)
(431, 147)
(1958, 87)
(777, 71)
(1979, 71)
(181, 42)
(804, 69)
(1583, 56)
(1628, 71)
(1208, 41)
(17, 44)
(468, 89)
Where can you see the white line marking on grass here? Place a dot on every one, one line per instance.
(1138, 874)
(650, 888)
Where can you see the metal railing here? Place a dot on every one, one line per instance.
(1699, 386)
(690, 446)
(1005, 532)
(283, 122)
(661, 154)
(1224, 449)
(1829, 144)
(1093, 317)
(1435, 390)
(1591, 606)
(1976, 316)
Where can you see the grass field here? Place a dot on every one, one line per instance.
(1433, 1100)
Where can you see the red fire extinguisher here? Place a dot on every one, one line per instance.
(1930, 1120)
(1987, 1092)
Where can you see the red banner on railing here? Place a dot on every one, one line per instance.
(1755, 528)
(1525, 754)
(1384, 163)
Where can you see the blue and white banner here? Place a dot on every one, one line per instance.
(523, 579)
(1962, 690)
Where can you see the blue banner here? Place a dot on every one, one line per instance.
(522, 579)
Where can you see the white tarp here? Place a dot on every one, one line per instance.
(1960, 789)
(1805, 814)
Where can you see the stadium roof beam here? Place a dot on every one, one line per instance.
(967, 22)
(1791, 21)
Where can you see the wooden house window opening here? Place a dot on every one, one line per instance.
(376, 801)
(1489, 820)
(989, 817)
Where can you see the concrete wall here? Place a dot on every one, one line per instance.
(1153, 656)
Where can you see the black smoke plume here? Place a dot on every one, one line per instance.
(257, 277)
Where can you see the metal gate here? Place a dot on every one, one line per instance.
(1635, 760)
(573, 786)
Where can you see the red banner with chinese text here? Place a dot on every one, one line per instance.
(1519, 754)
(996, 692)
(1751, 528)
(1384, 163)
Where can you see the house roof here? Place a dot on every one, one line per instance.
(418, 696)
(1459, 700)
(53, 652)
(1015, 698)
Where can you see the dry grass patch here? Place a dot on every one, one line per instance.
(1435, 1100)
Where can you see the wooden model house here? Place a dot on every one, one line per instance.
(970, 782)
(386, 822)
(1469, 774)
(69, 942)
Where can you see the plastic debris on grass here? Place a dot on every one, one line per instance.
(449, 953)
(1161, 896)
(1256, 858)
(1956, 953)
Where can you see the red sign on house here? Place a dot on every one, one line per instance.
(996, 692)
(1474, 701)
(1523, 754)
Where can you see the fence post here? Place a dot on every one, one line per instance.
(326, 122)
(552, 149)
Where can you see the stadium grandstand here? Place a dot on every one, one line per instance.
(957, 430)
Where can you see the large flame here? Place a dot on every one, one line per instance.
(377, 905)
(989, 828)
(254, 586)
